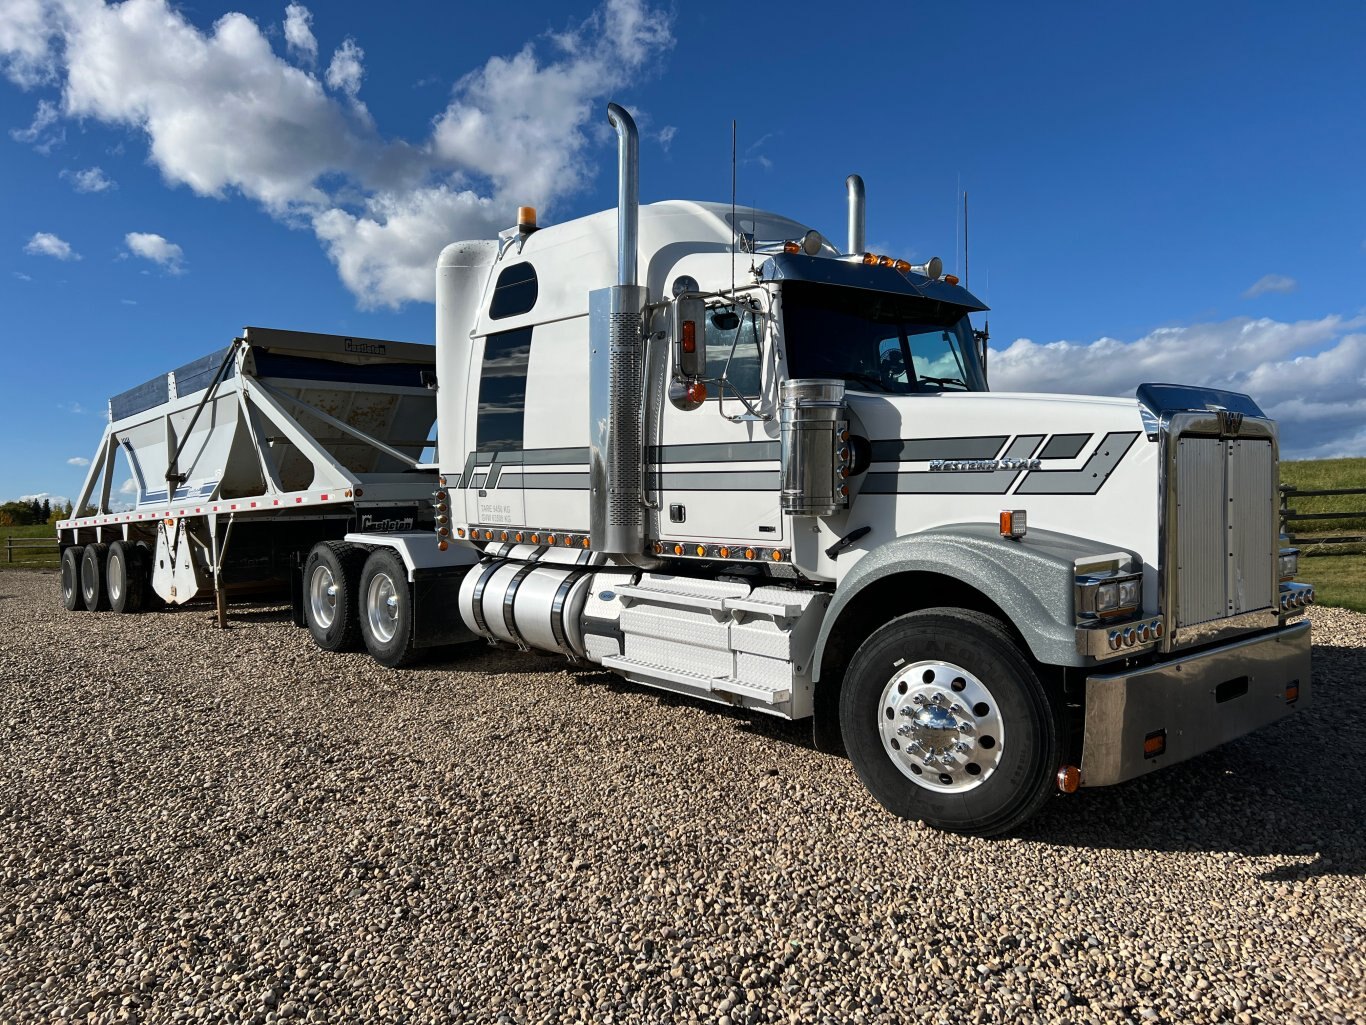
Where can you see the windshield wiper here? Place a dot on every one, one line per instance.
(860, 376)
(941, 381)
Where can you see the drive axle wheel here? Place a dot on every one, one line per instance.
(945, 720)
(331, 589)
(386, 620)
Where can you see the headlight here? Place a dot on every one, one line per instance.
(1290, 563)
(1107, 597)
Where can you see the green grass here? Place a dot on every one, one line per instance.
(28, 556)
(1338, 572)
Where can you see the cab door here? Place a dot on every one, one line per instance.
(714, 470)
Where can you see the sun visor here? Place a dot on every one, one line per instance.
(823, 270)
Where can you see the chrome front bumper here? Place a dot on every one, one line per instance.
(1195, 703)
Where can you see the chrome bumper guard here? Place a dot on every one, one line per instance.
(1192, 704)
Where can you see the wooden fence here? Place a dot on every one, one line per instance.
(1289, 518)
(40, 546)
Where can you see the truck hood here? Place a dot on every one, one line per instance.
(961, 415)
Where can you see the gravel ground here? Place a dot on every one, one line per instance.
(234, 826)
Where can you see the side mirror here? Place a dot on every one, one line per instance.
(688, 336)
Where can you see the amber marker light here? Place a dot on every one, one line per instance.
(777, 556)
(697, 391)
(902, 265)
(724, 552)
(1014, 523)
(441, 546)
(870, 259)
(518, 536)
(1069, 779)
(1154, 743)
(460, 532)
(792, 247)
(749, 553)
(950, 279)
(1292, 692)
(659, 548)
(535, 539)
(504, 536)
(678, 549)
(569, 541)
(584, 543)
(550, 539)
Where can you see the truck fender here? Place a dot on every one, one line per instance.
(1030, 580)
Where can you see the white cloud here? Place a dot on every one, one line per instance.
(1271, 283)
(346, 70)
(46, 244)
(223, 112)
(92, 179)
(78, 461)
(26, 31)
(40, 134)
(1310, 375)
(299, 33)
(128, 487)
(666, 137)
(22, 276)
(129, 302)
(45, 496)
(153, 247)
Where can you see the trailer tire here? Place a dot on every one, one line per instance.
(331, 588)
(72, 599)
(386, 609)
(951, 686)
(93, 590)
(151, 601)
(124, 577)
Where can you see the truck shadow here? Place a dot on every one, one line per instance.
(1291, 790)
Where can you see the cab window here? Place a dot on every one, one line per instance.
(734, 330)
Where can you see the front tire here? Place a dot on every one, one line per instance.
(386, 609)
(946, 721)
(93, 590)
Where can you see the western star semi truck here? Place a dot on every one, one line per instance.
(702, 447)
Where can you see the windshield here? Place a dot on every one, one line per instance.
(877, 341)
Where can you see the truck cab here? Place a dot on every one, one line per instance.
(704, 447)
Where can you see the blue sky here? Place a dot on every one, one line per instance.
(1164, 192)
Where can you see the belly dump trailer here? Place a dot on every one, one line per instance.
(705, 448)
(247, 463)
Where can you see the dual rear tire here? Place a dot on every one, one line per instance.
(354, 596)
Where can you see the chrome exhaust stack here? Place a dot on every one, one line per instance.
(857, 243)
(616, 371)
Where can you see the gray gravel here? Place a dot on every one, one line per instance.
(233, 826)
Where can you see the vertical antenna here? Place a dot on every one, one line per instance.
(957, 239)
(966, 277)
(734, 224)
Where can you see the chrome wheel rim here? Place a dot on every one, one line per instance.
(71, 578)
(381, 607)
(322, 596)
(941, 726)
(116, 577)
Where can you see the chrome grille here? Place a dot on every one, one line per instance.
(1226, 527)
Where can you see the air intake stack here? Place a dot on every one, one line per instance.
(616, 372)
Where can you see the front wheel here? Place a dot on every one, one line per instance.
(386, 609)
(945, 721)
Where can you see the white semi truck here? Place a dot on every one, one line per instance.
(701, 446)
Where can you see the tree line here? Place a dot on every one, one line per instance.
(27, 512)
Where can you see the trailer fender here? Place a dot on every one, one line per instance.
(1030, 580)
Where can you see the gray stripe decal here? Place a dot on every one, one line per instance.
(1065, 446)
(552, 481)
(1023, 447)
(756, 480)
(915, 450)
(1090, 478)
(994, 482)
(554, 456)
(717, 452)
(468, 475)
